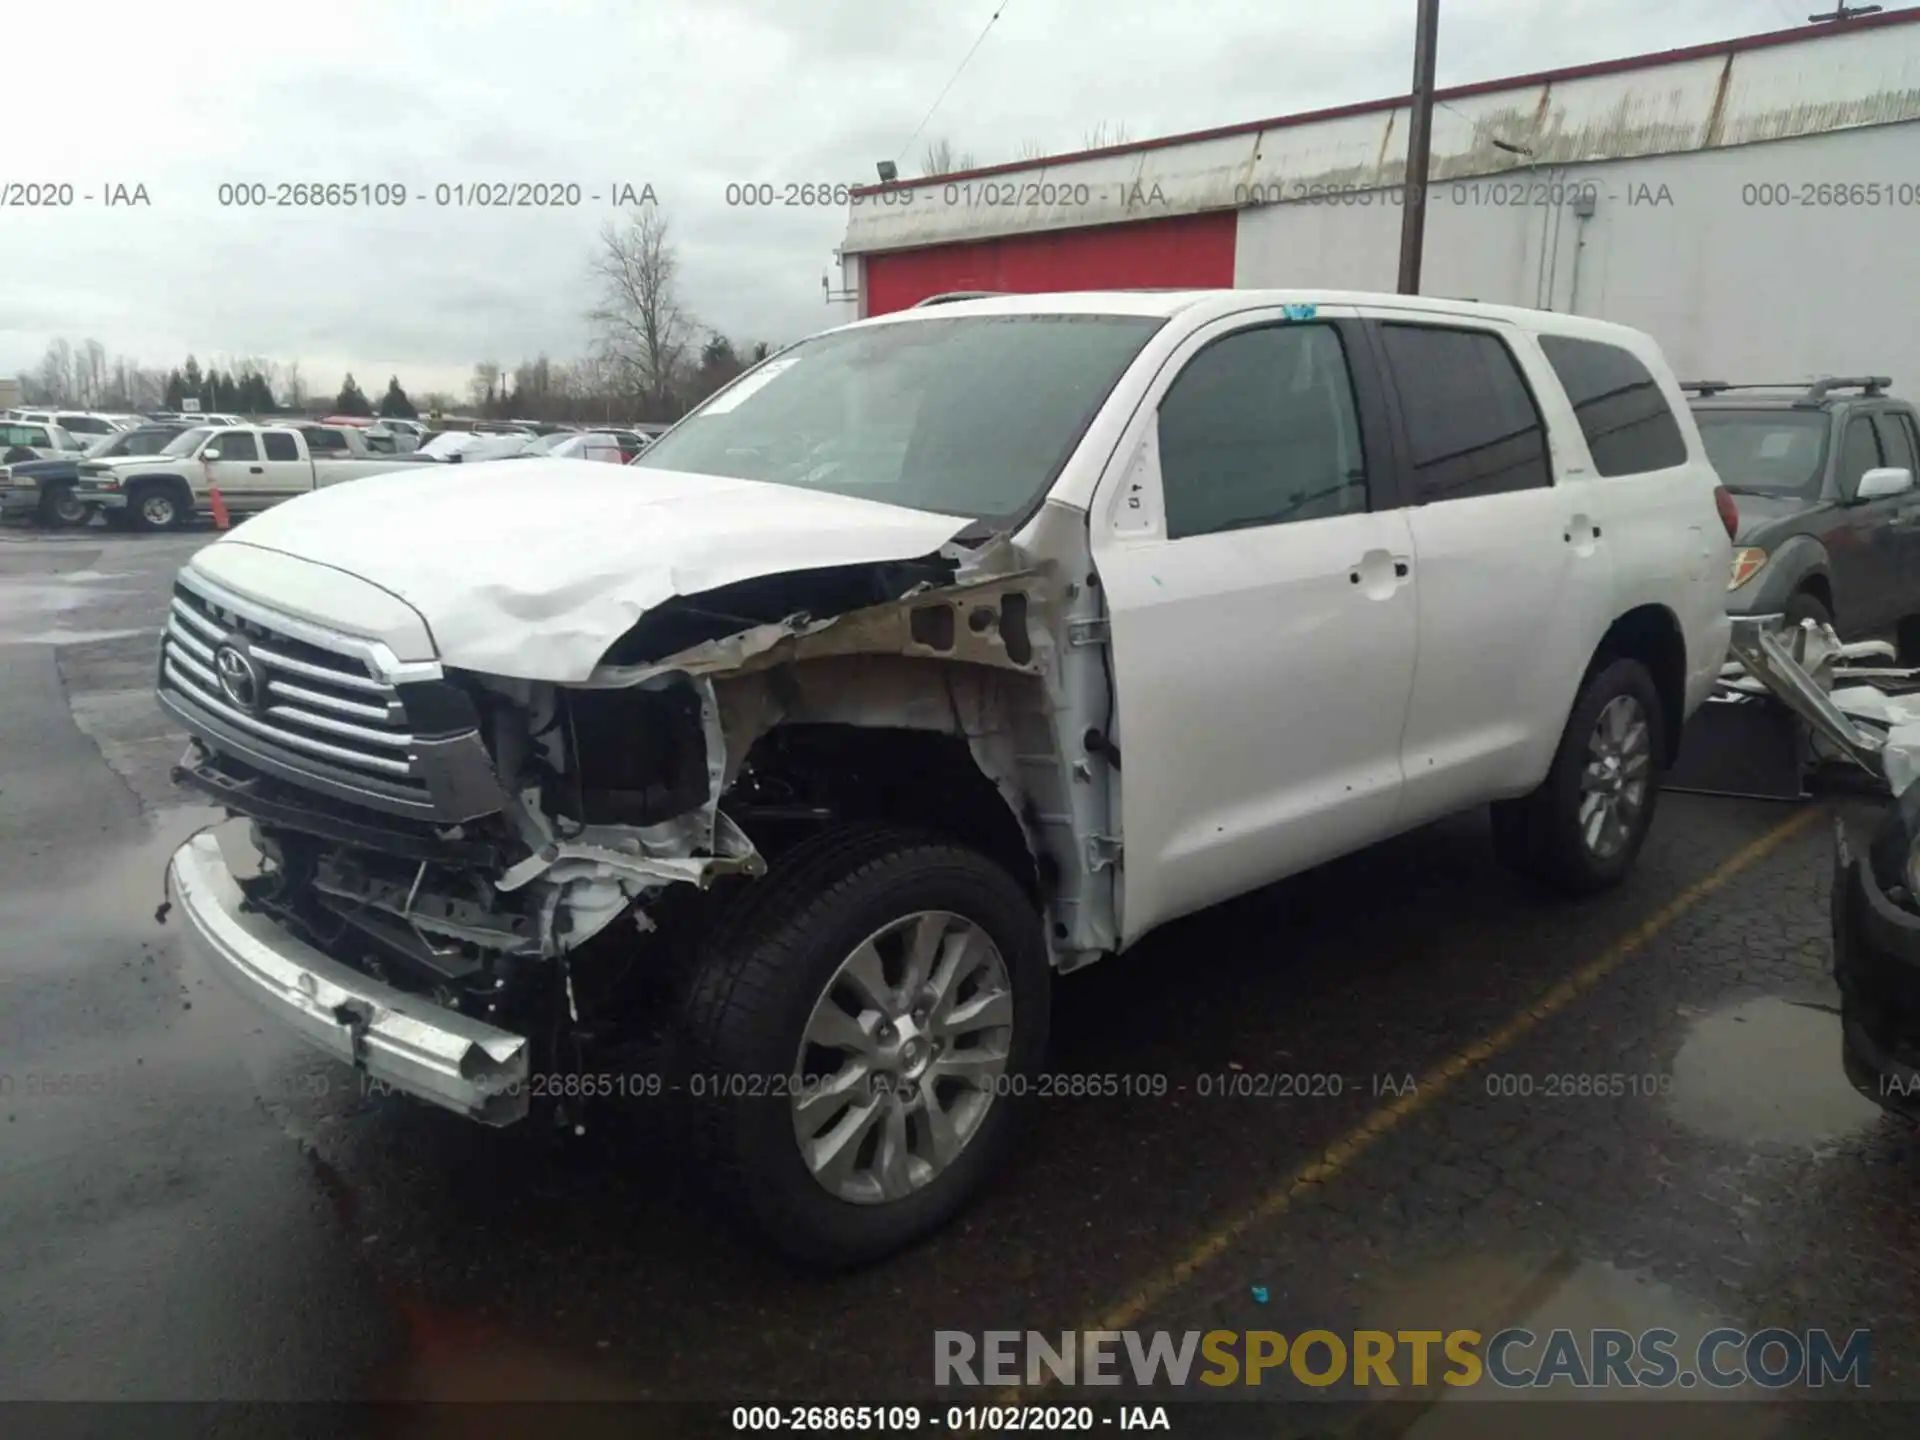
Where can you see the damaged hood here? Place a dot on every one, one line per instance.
(532, 568)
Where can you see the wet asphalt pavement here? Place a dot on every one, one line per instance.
(193, 1206)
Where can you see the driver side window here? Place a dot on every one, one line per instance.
(1260, 429)
(1859, 453)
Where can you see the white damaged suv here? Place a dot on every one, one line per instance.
(775, 772)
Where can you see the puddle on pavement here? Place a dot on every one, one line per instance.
(118, 897)
(1767, 1072)
(26, 607)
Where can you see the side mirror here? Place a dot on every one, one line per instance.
(1881, 483)
(212, 452)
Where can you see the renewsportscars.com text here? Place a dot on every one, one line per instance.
(1508, 1359)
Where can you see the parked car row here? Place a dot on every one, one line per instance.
(162, 474)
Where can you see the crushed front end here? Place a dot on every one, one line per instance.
(436, 850)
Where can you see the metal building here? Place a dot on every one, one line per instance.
(1754, 204)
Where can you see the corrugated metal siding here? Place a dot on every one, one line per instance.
(1828, 81)
(1184, 250)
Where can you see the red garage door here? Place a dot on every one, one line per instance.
(1182, 250)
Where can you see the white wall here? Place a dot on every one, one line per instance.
(1731, 290)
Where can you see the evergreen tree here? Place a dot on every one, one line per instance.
(395, 405)
(176, 390)
(352, 400)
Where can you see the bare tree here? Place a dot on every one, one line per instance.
(1099, 137)
(642, 329)
(940, 159)
(1031, 150)
(484, 388)
(92, 363)
(294, 387)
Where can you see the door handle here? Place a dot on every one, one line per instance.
(254, 470)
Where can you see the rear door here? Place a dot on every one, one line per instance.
(1514, 573)
(1256, 567)
(288, 471)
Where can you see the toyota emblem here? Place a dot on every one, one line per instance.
(238, 678)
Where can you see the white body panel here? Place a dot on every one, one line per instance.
(539, 591)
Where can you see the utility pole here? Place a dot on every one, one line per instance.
(1413, 220)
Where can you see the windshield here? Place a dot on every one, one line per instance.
(966, 415)
(1766, 452)
(102, 444)
(547, 444)
(187, 441)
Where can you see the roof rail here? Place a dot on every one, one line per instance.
(1715, 387)
(950, 296)
(1870, 385)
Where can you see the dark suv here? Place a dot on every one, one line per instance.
(1823, 476)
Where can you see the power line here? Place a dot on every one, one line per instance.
(950, 83)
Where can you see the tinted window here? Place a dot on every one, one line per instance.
(85, 425)
(1629, 427)
(1766, 452)
(1859, 453)
(237, 446)
(325, 442)
(145, 442)
(1469, 415)
(280, 446)
(1896, 441)
(1259, 429)
(30, 435)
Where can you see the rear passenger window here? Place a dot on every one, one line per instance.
(1629, 427)
(1471, 421)
(280, 447)
(1260, 429)
(237, 446)
(326, 442)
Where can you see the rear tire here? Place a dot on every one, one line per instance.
(1582, 829)
(1804, 605)
(779, 958)
(60, 508)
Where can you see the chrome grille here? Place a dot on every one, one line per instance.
(315, 712)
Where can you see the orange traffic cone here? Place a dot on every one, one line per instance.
(220, 520)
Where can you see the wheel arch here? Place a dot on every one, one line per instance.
(1652, 635)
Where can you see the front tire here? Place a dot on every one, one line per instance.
(1582, 829)
(157, 507)
(859, 1022)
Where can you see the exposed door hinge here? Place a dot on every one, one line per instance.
(1088, 632)
(1103, 851)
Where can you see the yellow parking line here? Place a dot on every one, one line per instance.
(1341, 1154)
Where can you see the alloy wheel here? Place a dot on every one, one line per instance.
(902, 1057)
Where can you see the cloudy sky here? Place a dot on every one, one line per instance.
(687, 97)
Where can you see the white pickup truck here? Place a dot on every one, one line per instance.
(254, 466)
(774, 772)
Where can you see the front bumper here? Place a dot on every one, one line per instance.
(401, 1040)
(1876, 961)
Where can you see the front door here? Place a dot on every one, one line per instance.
(240, 472)
(1257, 575)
